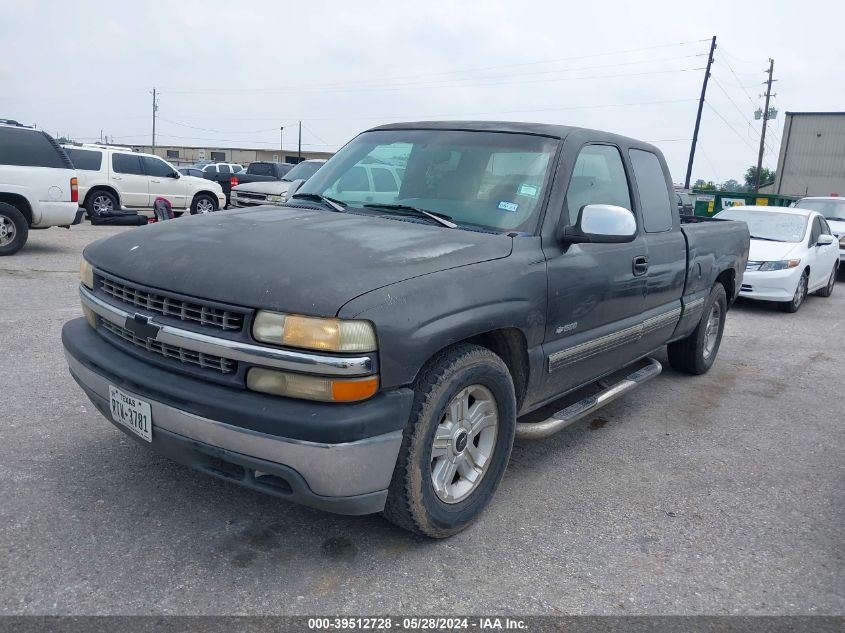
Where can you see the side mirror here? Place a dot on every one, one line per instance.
(294, 187)
(174, 174)
(825, 240)
(601, 223)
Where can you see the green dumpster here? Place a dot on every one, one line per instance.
(708, 202)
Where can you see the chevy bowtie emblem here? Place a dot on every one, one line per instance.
(141, 327)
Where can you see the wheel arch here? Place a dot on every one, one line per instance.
(96, 188)
(728, 280)
(20, 203)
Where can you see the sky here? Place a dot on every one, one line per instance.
(230, 74)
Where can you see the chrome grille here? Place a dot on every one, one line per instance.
(171, 306)
(251, 196)
(206, 361)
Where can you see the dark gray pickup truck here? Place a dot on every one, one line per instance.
(380, 354)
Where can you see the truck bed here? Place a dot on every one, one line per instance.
(712, 245)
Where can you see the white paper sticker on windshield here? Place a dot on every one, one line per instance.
(528, 190)
(510, 207)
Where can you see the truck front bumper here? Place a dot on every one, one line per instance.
(347, 477)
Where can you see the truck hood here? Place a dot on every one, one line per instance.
(264, 186)
(765, 251)
(201, 182)
(289, 259)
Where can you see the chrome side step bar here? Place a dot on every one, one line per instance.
(582, 408)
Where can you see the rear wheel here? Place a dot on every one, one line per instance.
(696, 353)
(14, 229)
(799, 296)
(831, 282)
(102, 203)
(456, 445)
(203, 204)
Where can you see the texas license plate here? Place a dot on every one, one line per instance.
(131, 412)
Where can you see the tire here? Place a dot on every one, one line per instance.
(201, 202)
(102, 203)
(831, 282)
(696, 353)
(14, 229)
(799, 296)
(475, 376)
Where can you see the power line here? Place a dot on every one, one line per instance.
(725, 121)
(358, 83)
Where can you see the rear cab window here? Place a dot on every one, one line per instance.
(25, 147)
(655, 203)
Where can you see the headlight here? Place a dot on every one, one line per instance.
(86, 274)
(782, 265)
(281, 383)
(275, 198)
(330, 335)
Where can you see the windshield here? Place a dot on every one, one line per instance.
(769, 225)
(830, 209)
(303, 170)
(486, 179)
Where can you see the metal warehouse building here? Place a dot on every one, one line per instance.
(812, 155)
(183, 155)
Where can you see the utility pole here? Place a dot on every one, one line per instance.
(299, 150)
(765, 120)
(155, 109)
(698, 116)
(281, 144)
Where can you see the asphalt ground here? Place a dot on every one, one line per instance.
(721, 494)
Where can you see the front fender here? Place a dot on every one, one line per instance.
(418, 317)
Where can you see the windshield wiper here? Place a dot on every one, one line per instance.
(437, 217)
(337, 205)
(768, 239)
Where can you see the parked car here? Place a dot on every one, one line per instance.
(113, 178)
(38, 185)
(685, 201)
(264, 171)
(373, 357)
(793, 253)
(191, 171)
(833, 210)
(272, 191)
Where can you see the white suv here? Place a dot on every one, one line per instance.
(114, 178)
(38, 186)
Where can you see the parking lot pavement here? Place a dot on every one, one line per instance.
(716, 494)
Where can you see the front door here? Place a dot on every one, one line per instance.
(595, 291)
(164, 181)
(129, 180)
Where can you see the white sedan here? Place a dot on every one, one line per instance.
(793, 253)
(833, 210)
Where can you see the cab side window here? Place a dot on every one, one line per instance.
(655, 203)
(597, 178)
(126, 164)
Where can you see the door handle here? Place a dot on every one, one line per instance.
(640, 265)
(156, 181)
(116, 178)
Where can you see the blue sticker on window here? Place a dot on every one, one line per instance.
(510, 207)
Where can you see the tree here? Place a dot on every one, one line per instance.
(701, 184)
(731, 185)
(766, 176)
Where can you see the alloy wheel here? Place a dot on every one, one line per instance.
(7, 230)
(711, 330)
(463, 443)
(103, 204)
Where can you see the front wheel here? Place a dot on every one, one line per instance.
(799, 296)
(456, 445)
(203, 204)
(831, 282)
(696, 353)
